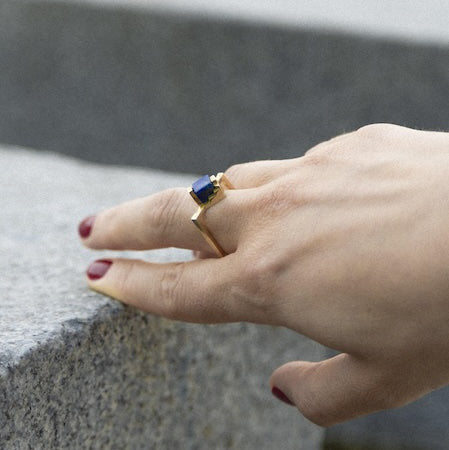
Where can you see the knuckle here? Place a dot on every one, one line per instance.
(235, 170)
(323, 153)
(170, 290)
(378, 130)
(318, 158)
(123, 280)
(329, 147)
(164, 209)
(317, 149)
(252, 173)
(259, 278)
(283, 195)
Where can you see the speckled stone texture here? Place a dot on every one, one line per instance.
(78, 370)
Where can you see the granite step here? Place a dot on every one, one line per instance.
(79, 370)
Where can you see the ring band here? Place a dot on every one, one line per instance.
(207, 191)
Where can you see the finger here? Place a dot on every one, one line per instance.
(194, 291)
(164, 220)
(334, 390)
(258, 173)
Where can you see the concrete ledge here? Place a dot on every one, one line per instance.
(78, 370)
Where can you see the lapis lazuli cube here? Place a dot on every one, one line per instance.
(203, 188)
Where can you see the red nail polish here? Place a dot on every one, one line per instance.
(98, 268)
(85, 227)
(281, 396)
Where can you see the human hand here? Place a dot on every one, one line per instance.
(347, 245)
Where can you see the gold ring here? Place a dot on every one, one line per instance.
(207, 191)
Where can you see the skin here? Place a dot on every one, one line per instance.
(347, 245)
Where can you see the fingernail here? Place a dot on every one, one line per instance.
(281, 396)
(98, 268)
(85, 227)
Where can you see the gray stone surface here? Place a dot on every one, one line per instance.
(78, 370)
(132, 86)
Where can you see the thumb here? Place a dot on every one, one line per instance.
(334, 390)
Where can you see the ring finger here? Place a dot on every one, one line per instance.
(163, 220)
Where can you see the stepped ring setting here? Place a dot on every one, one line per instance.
(207, 191)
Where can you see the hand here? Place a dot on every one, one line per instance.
(348, 245)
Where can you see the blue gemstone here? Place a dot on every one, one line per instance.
(203, 188)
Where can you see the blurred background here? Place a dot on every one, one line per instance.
(195, 86)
